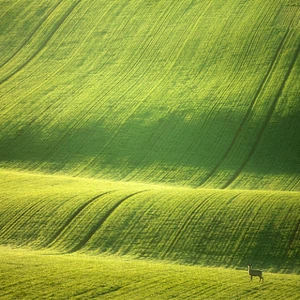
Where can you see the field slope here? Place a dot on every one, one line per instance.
(196, 93)
(190, 226)
(43, 275)
(157, 137)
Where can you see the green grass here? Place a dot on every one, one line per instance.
(42, 275)
(191, 93)
(203, 227)
(153, 143)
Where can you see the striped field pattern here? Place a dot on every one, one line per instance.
(140, 91)
(149, 149)
(206, 227)
(31, 275)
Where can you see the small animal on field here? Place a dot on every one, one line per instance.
(252, 273)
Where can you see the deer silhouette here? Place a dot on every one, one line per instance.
(255, 273)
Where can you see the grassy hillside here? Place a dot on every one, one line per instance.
(196, 93)
(204, 227)
(42, 275)
(153, 143)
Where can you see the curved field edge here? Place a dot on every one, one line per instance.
(228, 228)
(39, 274)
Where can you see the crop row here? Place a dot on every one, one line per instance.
(198, 94)
(31, 274)
(207, 227)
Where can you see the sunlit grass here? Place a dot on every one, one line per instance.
(205, 227)
(201, 94)
(41, 274)
(153, 143)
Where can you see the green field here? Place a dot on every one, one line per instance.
(40, 275)
(149, 149)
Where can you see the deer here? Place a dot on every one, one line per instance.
(255, 273)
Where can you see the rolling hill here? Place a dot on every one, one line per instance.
(158, 135)
(140, 91)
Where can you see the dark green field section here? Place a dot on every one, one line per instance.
(204, 227)
(193, 93)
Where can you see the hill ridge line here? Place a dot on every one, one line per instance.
(135, 184)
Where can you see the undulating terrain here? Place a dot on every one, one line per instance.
(149, 149)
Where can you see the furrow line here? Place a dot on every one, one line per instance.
(155, 232)
(267, 119)
(152, 44)
(181, 44)
(91, 108)
(158, 30)
(141, 102)
(133, 62)
(293, 235)
(217, 215)
(16, 285)
(55, 73)
(286, 214)
(134, 222)
(163, 129)
(247, 114)
(42, 240)
(14, 221)
(166, 289)
(12, 5)
(237, 223)
(253, 221)
(188, 208)
(73, 216)
(215, 106)
(133, 69)
(111, 290)
(238, 63)
(83, 116)
(100, 222)
(189, 219)
(252, 45)
(208, 117)
(20, 18)
(31, 35)
(30, 123)
(151, 140)
(23, 217)
(56, 26)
